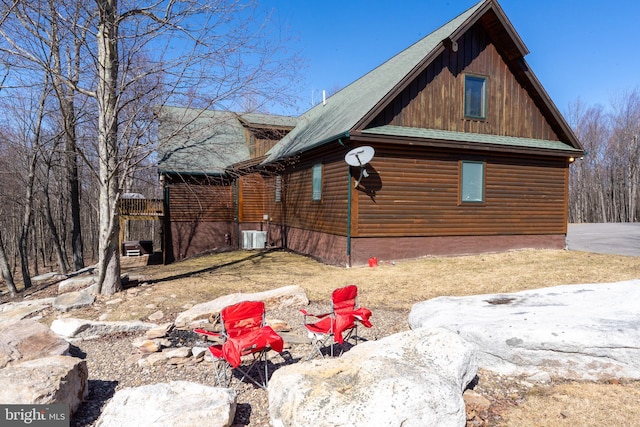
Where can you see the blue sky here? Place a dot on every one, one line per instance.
(586, 49)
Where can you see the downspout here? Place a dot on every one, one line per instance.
(349, 196)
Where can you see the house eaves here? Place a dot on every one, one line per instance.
(356, 106)
(209, 142)
(465, 140)
(344, 110)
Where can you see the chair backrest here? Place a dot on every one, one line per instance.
(344, 299)
(242, 317)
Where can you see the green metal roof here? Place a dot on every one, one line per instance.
(206, 141)
(343, 110)
(476, 138)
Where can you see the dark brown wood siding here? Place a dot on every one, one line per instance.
(434, 100)
(200, 202)
(329, 215)
(414, 191)
(251, 198)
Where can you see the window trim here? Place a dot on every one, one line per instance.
(316, 182)
(485, 83)
(483, 184)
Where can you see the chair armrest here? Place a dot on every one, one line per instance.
(207, 333)
(319, 316)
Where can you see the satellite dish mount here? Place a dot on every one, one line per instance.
(359, 157)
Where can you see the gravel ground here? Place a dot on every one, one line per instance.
(112, 363)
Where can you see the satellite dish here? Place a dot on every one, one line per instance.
(360, 156)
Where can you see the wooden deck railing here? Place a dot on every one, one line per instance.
(141, 207)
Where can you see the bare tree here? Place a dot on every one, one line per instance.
(129, 55)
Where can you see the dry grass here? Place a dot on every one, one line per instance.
(402, 284)
(398, 286)
(578, 404)
(394, 286)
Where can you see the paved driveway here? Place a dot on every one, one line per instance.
(610, 238)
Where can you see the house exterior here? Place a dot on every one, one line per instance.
(470, 155)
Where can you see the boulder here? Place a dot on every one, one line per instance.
(46, 380)
(13, 311)
(73, 328)
(76, 283)
(173, 404)
(414, 378)
(26, 340)
(287, 296)
(47, 277)
(583, 332)
(73, 300)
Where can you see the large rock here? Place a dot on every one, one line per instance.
(46, 380)
(72, 300)
(573, 331)
(287, 296)
(13, 311)
(73, 328)
(414, 378)
(173, 404)
(26, 340)
(76, 283)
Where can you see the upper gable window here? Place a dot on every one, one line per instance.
(475, 97)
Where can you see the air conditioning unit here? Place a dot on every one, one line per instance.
(253, 239)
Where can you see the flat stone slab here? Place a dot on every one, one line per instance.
(74, 328)
(72, 300)
(585, 332)
(13, 311)
(286, 296)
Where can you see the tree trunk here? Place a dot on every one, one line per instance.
(55, 237)
(107, 100)
(5, 270)
(23, 241)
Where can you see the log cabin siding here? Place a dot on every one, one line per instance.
(435, 99)
(328, 215)
(251, 207)
(416, 193)
(200, 202)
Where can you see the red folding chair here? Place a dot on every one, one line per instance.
(244, 333)
(340, 324)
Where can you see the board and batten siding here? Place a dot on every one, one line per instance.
(417, 194)
(435, 99)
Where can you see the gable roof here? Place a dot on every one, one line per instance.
(207, 142)
(354, 106)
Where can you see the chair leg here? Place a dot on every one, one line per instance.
(246, 372)
(222, 372)
(318, 343)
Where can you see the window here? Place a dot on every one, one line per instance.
(472, 182)
(278, 189)
(475, 97)
(316, 192)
